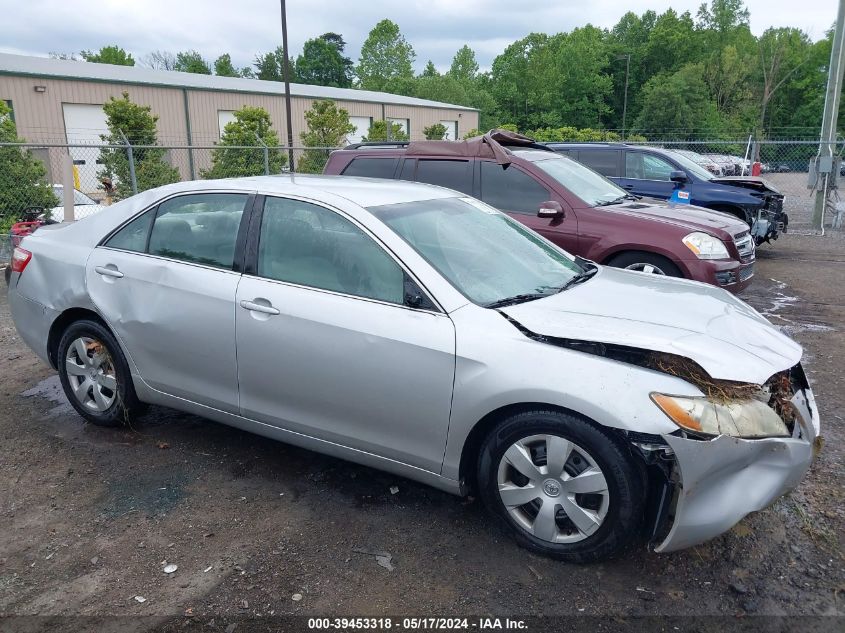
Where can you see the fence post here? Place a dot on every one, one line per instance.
(131, 157)
(266, 151)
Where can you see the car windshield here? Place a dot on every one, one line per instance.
(590, 186)
(79, 198)
(691, 165)
(486, 255)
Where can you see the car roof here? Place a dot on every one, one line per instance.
(365, 192)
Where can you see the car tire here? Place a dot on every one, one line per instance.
(95, 375)
(646, 263)
(611, 519)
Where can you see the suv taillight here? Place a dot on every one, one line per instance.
(20, 258)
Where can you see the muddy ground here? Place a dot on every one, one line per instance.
(88, 516)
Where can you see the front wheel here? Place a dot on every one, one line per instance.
(645, 263)
(95, 375)
(561, 486)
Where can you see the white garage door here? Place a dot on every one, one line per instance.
(224, 117)
(404, 124)
(84, 124)
(451, 130)
(362, 126)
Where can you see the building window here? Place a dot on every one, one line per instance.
(8, 102)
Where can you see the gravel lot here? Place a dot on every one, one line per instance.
(89, 515)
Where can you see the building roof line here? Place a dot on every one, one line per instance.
(43, 67)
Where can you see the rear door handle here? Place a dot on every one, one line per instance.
(108, 272)
(628, 187)
(259, 307)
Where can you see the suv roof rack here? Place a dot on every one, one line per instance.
(378, 145)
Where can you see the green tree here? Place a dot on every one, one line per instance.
(385, 55)
(783, 52)
(378, 132)
(430, 70)
(464, 66)
(270, 66)
(138, 125)
(435, 132)
(191, 62)
(223, 66)
(678, 103)
(322, 62)
(109, 55)
(328, 127)
(23, 178)
(250, 125)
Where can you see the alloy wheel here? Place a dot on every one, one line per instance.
(553, 488)
(646, 268)
(91, 374)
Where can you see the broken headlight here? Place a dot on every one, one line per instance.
(742, 418)
(706, 246)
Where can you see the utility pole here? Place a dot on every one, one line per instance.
(627, 57)
(286, 71)
(824, 159)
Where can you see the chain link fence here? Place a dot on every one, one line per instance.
(103, 174)
(784, 164)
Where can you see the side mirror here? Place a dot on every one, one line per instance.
(678, 176)
(550, 209)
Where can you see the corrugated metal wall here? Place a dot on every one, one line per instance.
(39, 114)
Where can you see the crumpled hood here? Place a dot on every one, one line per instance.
(724, 335)
(748, 182)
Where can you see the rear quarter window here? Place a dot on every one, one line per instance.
(604, 161)
(371, 167)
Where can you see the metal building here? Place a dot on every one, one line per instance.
(58, 101)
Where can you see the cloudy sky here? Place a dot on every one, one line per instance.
(436, 28)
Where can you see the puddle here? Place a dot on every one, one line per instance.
(51, 390)
(780, 301)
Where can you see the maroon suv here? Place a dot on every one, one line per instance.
(569, 204)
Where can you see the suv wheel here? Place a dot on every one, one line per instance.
(95, 375)
(645, 263)
(561, 486)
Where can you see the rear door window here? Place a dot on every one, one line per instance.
(606, 162)
(198, 228)
(454, 174)
(371, 167)
(511, 189)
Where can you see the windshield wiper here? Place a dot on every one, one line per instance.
(584, 275)
(521, 298)
(614, 201)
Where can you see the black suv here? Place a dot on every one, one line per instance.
(655, 172)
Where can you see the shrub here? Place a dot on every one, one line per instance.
(435, 132)
(378, 132)
(134, 121)
(328, 126)
(250, 125)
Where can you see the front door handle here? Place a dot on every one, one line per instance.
(252, 306)
(108, 271)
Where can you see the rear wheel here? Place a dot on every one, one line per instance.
(561, 486)
(645, 263)
(95, 375)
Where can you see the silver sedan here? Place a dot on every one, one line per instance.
(413, 329)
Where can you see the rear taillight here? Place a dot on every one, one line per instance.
(20, 258)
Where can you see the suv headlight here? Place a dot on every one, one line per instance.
(706, 246)
(745, 418)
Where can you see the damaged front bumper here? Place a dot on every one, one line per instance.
(717, 482)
